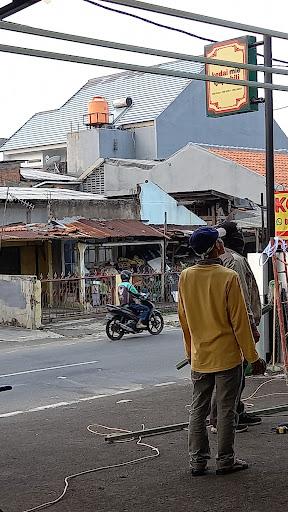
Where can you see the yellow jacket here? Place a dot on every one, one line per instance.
(214, 318)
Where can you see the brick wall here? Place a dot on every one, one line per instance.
(9, 173)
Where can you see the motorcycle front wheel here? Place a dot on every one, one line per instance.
(155, 324)
(113, 330)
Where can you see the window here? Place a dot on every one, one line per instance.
(70, 258)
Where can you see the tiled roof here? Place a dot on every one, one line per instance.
(255, 161)
(151, 94)
(81, 229)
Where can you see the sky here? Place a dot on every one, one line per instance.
(30, 84)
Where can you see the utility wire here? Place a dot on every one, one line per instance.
(280, 108)
(161, 25)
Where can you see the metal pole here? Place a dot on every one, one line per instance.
(269, 146)
(153, 70)
(269, 142)
(62, 36)
(15, 6)
(166, 429)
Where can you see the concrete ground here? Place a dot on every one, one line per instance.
(40, 449)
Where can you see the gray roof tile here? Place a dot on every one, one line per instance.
(151, 95)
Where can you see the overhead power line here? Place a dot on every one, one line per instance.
(154, 70)
(160, 9)
(280, 108)
(25, 29)
(161, 25)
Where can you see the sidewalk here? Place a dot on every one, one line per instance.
(94, 326)
(12, 334)
(79, 328)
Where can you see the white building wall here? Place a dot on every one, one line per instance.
(20, 301)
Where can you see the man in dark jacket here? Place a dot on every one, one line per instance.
(233, 258)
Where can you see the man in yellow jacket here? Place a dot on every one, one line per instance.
(217, 337)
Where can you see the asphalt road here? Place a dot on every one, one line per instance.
(44, 442)
(57, 373)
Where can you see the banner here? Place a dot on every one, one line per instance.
(281, 214)
(224, 99)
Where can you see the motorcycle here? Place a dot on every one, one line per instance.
(121, 320)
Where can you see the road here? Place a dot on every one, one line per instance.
(57, 373)
(62, 386)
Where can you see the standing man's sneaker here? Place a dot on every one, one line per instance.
(249, 419)
(199, 472)
(241, 428)
(239, 465)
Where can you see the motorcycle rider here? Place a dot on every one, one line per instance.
(128, 296)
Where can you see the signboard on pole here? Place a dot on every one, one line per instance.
(281, 214)
(226, 99)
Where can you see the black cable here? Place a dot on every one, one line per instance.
(280, 108)
(161, 25)
(112, 9)
(275, 60)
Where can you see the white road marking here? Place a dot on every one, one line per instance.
(164, 384)
(47, 369)
(123, 401)
(14, 413)
(72, 402)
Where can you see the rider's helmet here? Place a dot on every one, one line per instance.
(126, 275)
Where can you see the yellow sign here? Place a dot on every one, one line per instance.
(223, 99)
(281, 214)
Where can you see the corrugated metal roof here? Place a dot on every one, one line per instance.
(151, 95)
(47, 194)
(81, 229)
(36, 175)
(114, 228)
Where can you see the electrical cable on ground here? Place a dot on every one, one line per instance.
(253, 395)
(139, 442)
(68, 478)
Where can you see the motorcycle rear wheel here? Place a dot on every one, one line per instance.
(113, 330)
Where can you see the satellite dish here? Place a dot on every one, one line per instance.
(51, 162)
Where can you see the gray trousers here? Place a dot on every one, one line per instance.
(228, 388)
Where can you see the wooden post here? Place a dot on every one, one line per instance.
(50, 272)
(81, 271)
(162, 244)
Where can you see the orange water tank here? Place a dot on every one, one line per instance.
(98, 111)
